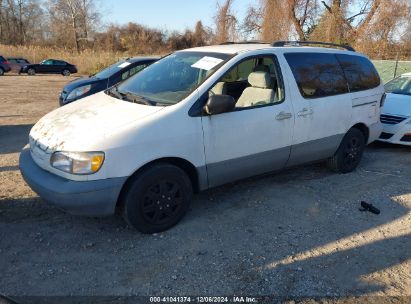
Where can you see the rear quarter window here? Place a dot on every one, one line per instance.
(59, 62)
(2, 59)
(360, 72)
(317, 74)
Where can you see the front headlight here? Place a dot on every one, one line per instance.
(78, 92)
(81, 163)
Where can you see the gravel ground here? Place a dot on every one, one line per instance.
(297, 233)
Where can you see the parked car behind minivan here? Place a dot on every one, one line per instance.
(4, 66)
(114, 74)
(396, 113)
(50, 66)
(200, 118)
(17, 63)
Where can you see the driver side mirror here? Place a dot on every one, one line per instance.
(218, 104)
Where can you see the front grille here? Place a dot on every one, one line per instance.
(386, 135)
(391, 119)
(406, 138)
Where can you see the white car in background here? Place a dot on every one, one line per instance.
(396, 113)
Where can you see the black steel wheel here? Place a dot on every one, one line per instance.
(350, 152)
(157, 198)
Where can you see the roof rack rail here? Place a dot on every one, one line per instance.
(297, 43)
(245, 42)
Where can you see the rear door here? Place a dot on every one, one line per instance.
(322, 104)
(58, 66)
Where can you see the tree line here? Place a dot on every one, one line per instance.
(379, 28)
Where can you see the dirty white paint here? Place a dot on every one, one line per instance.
(77, 126)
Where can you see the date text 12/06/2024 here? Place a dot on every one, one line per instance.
(233, 299)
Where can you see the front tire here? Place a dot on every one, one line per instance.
(31, 72)
(1, 72)
(157, 198)
(350, 152)
(66, 73)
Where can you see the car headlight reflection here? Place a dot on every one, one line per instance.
(79, 92)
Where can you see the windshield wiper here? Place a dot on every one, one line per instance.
(129, 96)
(137, 99)
(114, 92)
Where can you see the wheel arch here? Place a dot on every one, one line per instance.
(364, 129)
(191, 171)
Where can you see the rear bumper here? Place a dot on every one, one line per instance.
(375, 132)
(88, 198)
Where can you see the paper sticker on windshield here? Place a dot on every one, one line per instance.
(207, 63)
(124, 64)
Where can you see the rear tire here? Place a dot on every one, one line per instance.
(157, 198)
(349, 153)
(31, 72)
(66, 73)
(1, 72)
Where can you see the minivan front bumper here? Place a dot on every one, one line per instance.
(88, 198)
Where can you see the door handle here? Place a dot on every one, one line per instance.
(305, 112)
(283, 115)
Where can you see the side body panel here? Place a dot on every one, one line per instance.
(320, 123)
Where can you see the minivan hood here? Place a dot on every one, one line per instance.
(80, 125)
(397, 104)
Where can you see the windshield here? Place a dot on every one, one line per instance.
(110, 70)
(171, 79)
(400, 85)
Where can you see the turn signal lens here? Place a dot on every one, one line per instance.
(96, 162)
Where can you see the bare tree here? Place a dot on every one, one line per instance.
(344, 20)
(17, 18)
(79, 16)
(279, 19)
(386, 32)
(304, 15)
(226, 23)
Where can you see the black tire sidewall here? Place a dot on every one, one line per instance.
(66, 73)
(343, 168)
(135, 190)
(1, 72)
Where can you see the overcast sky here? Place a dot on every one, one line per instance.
(166, 14)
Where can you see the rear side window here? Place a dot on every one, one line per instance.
(58, 62)
(2, 59)
(360, 72)
(317, 74)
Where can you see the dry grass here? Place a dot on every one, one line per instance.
(87, 62)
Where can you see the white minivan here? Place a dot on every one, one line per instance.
(200, 118)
